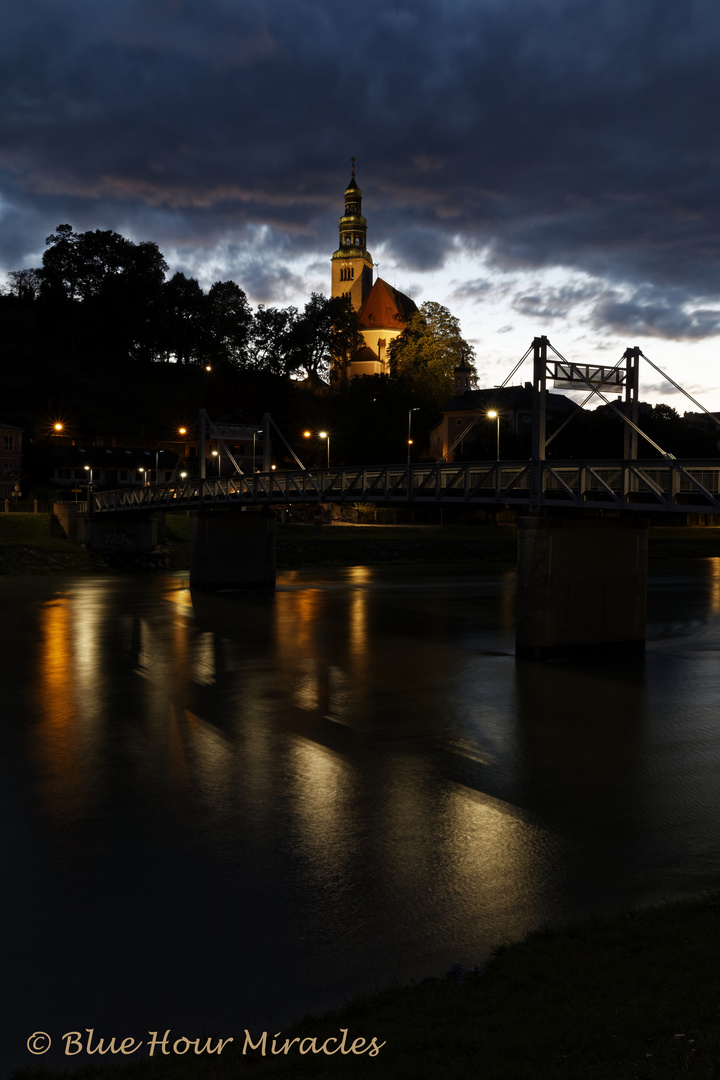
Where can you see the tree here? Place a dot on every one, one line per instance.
(270, 339)
(183, 306)
(25, 284)
(327, 329)
(228, 318)
(85, 266)
(427, 352)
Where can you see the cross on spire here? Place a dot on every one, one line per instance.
(352, 159)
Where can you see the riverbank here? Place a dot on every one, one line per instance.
(35, 544)
(634, 996)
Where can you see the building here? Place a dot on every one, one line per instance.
(10, 461)
(468, 408)
(110, 468)
(383, 312)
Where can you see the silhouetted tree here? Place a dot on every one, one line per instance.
(271, 339)
(227, 324)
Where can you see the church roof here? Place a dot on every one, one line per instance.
(386, 308)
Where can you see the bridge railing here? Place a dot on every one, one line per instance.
(667, 485)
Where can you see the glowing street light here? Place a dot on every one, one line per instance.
(493, 414)
(216, 454)
(320, 435)
(410, 442)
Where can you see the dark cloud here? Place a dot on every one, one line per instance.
(654, 312)
(534, 133)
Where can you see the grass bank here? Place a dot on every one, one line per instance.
(634, 996)
(35, 544)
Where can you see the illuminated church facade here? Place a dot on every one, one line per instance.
(383, 312)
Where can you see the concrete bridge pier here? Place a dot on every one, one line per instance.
(581, 586)
(232, 550)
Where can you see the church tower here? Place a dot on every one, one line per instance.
(352, 265)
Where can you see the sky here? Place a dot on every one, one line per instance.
(537, 166)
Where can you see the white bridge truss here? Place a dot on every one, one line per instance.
(667, 486)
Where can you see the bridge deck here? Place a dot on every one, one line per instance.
(666, 485)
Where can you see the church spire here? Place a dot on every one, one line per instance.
(352, 271)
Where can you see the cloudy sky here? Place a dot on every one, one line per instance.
(538, 166)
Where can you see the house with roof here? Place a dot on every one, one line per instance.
(465, 415)
(75, 467)
(383, 311)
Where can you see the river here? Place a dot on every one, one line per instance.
(222, 811)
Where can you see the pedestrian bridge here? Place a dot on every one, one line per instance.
(667, 485)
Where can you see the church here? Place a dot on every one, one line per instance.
(383, 312)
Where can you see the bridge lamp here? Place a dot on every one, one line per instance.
(182, 431)
(326, 435)
(218, 456)
(58, 427)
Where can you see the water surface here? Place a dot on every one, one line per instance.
(221, 811)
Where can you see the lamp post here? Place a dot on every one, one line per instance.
(256, 432)
(88, 469)
(215, 453)
(410, 412)
(494, 415)
(321, 435)
(326, 435)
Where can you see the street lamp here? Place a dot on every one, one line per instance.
(88, 469)
(326, 435)
(256, 432)
(410, 412)
(494, 415)
(321, 435)
(215, 453)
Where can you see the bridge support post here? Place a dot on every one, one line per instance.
(232, 550)
(581, 586)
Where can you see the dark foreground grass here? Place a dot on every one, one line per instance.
(624, 997)
(34, 544)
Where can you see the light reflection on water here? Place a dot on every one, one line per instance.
(221, 806)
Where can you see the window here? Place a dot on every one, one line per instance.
(8, 468)
(8, 442)
(122, 474)
(63, 474)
